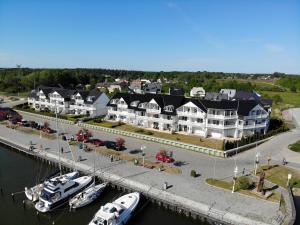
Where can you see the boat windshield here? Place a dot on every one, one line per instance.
(50, 197)
(100, 221)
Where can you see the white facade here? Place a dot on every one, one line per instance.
(72, 104)
(197, 92)
(190, 119)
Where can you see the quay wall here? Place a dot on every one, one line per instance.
(160, 196)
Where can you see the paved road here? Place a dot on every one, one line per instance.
(184, 185)
(13, 103)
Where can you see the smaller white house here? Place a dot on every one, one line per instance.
(229, 92)
(91, 103)
(111, 88)
(197, 92)
(65, 101)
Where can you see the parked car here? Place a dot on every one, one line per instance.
(164, 157)
(97, 142)
(113, 145)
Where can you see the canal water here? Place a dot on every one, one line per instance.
(18, 171)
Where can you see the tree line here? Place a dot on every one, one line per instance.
(15, 80)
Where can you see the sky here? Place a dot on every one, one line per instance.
(248, 36)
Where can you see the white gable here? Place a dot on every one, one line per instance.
(190, 104)
(122, 99)
(153, 101)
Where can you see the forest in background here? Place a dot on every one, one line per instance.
(16, 80)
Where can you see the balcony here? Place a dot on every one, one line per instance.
(157, 111)
(221, 116)
(190, 113)
(253, 117)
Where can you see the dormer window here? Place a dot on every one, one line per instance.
(114, 101)
(143, 105)
(134, 103)
(169, 108)
(90, 98)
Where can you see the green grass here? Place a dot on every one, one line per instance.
(219, 183)
(190, 139)
(275, 197)
(66, 117)
(295, 147)
(278, 175)
(20, 94)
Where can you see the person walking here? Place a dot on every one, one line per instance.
(62, 150)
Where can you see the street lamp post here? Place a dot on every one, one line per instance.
(288, 180)
(143, 154)
(256, 163)
(234, 178)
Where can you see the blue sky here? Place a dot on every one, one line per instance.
(214, 35)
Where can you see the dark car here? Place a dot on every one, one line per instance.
(97, 142)
(113, 145)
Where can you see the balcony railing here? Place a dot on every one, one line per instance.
(260, 116)
(221, 116)
(190, 113)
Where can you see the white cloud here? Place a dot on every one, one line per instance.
(274, 48)
(172, 5)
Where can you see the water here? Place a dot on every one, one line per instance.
(18, 171)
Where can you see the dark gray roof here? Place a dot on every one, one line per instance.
(242, 106)
(246, 95)
(162, 100)
(92, 95)
(245, 106)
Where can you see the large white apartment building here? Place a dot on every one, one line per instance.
(208, 118)
(90, 103)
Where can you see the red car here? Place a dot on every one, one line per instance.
(97, 142)
(164, 158)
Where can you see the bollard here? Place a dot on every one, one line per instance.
(165, 185)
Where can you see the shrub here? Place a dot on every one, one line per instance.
(140, 130)
(148, 132)
(193, 173)
(244, 183)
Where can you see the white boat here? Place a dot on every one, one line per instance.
(58, 191)
(87, 196)
(34, 193)
(117, 212)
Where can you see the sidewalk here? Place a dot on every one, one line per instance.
(193, 192)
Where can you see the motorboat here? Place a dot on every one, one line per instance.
(118, 212)
(57, 191)
(34, 192)
(87, 196)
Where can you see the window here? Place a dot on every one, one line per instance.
(199, 120)
(169, 108)
(134, 103)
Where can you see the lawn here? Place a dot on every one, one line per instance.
(66, 117)
(275, 197)
(20, 94)
(130, 157)
(295, 147)
(289, 100)
(190, 139)
(278, 175)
